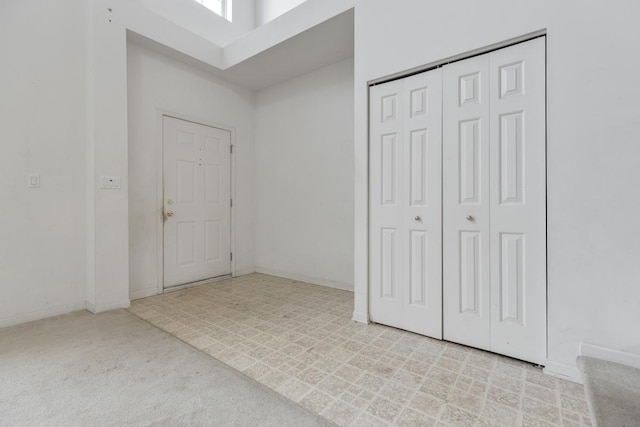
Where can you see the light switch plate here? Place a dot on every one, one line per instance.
(33, 180)
(110, 182)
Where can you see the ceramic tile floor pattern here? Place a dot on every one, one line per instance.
(299, 340)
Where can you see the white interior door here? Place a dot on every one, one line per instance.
(466, 188)
(518, 201)
(197, 202)
(494, 205)
(405, 204)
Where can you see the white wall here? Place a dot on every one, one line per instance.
(42, 123)
(203, 22)
(267, 10)
(304, 176)
(157, 83)
(593, 155)
(107, 216)
(593, 151)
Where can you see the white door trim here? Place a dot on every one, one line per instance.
(460, 57)
(160, 114)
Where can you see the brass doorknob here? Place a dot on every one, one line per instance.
(469, 218)
(418, 218)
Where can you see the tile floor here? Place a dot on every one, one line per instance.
(299, 340)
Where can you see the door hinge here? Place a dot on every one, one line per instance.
(231, 202)
(231, 257)
(231, 148)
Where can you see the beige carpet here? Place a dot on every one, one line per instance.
(613, 392)
(114, 369)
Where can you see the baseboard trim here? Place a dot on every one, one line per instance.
(145, 293)
(308, 279)
(360, 317)
(244, 272)
(609, 355)
(95, 309)
(41, 314)
(563, 371)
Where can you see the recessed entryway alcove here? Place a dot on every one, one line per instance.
(275, 104)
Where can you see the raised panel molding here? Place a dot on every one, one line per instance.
(185, 139)
(186, 181)
(388, 262)
(512, 286)
(212, 183)
(469, 89)
(469, 271)
(419, 102)
(418, 267)
(389, 170)
(419, 173)
(512, 158)
(469, 162)
(212, 144)
(185, 242)
(212, 231)
(512, 79)
(389, 108)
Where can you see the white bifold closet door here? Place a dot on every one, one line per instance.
(494, 203)
(406, 204)
(458, 205)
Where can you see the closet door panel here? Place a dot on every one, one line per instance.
(518, 201)
(386, 196)
(423, 206)
(405, 204)
(466, 187)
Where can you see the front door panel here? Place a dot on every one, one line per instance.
(197, 211)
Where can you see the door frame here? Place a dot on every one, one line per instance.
(160, 115)
(366, 316)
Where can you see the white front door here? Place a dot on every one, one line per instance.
(405, 204)
(494, 202)
(197, 202)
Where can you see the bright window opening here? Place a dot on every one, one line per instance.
(221, 7)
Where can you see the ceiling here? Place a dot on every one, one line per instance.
(323, 44)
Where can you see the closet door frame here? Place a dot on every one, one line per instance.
(363, 296)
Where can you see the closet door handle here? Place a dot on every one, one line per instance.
(469, 218)
(417, 218)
